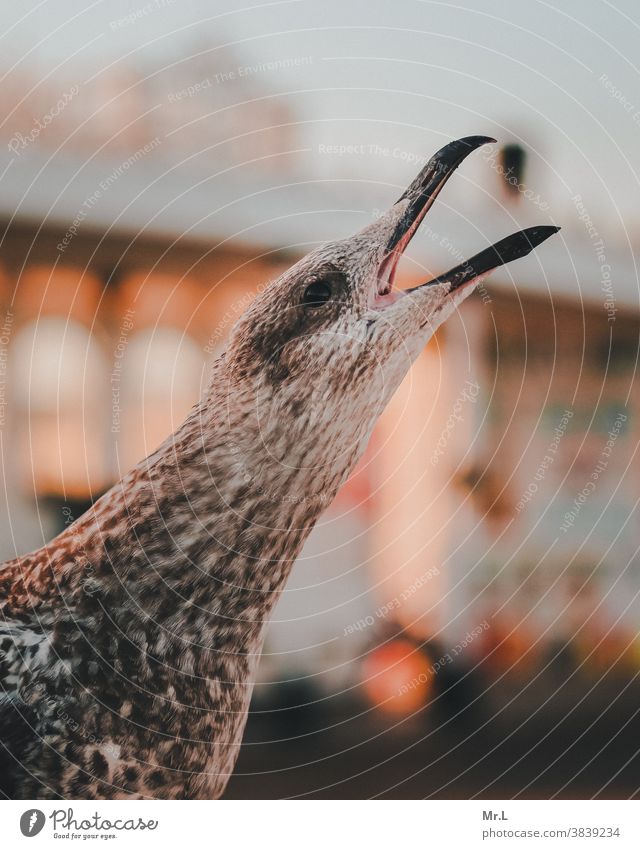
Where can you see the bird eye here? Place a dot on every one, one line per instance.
(316, 294)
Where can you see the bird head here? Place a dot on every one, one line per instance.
(324, 346)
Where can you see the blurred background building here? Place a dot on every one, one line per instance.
(464, 617)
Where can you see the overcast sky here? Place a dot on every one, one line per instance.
(404, 75)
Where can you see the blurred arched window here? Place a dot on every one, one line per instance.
(159, 364)
(59, 380)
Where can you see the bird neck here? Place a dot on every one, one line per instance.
(212, 521)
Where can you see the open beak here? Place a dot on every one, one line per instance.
(410, 209)
(506, 250)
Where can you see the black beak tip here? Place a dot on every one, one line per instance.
(422, 191)
(453, 153)
(477, 141)
(534, 236)
(519, 244)
(515, 246)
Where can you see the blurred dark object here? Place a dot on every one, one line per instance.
(535, 738)
(65, 510)
(291, 707)
(513, 159)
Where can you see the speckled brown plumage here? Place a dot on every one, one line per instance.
(128, 645)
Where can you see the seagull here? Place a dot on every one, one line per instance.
(129, 644)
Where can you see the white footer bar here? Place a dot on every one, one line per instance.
(310, 824)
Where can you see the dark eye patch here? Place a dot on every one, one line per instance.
(299, 315)
(317, 293)
(321, 290)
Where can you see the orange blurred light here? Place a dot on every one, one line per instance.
(397, 678)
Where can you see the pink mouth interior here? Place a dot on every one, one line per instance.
(387, 273)
(386, 295)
